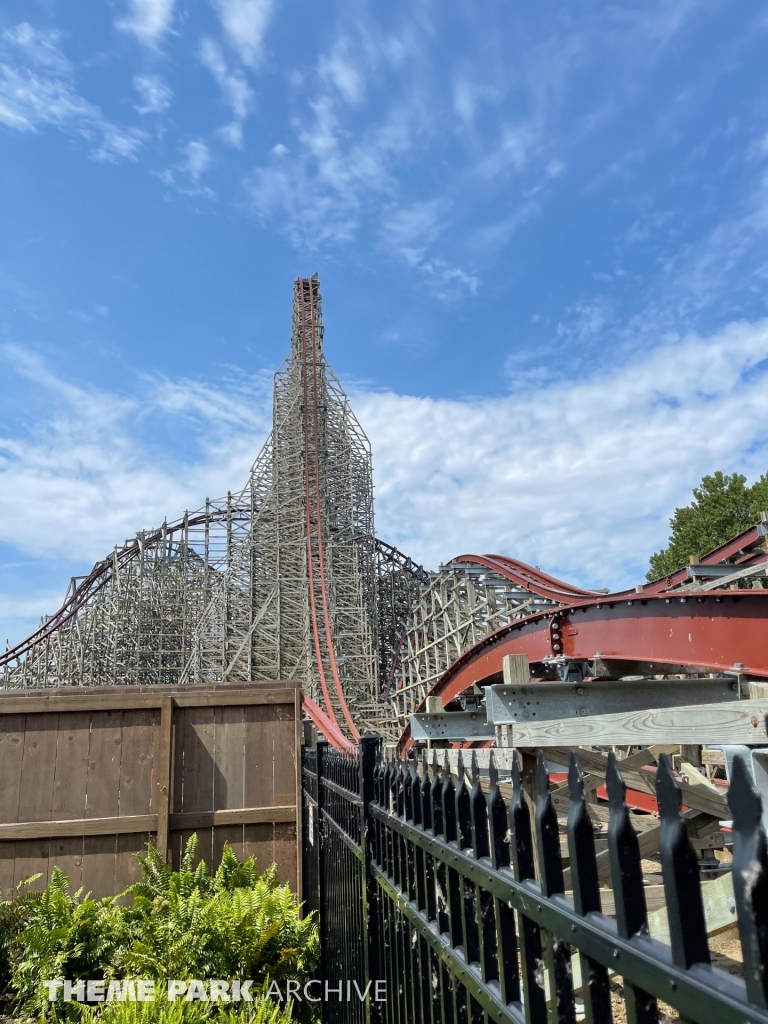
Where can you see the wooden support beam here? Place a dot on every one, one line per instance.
(187, 820)
(127, 823)
(78, 827)
(164, 753)
(732, 722)
(127, 699)
(700, 797)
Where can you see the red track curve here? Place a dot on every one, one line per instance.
(710, 631)
(526, 576)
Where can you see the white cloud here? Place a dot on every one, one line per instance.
(198, 159)
(235, 89)
(245, 23)
(148, 20)
(37, 89)
(154, 93)
(338, 68)
(88, 460)
(579, 477)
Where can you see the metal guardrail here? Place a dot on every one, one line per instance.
(457, 900)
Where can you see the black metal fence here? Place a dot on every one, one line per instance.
(454, 901)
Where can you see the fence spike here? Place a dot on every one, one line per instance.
(463, 808)
(547, 834)
(581, 845)
(478, 814)
(426, 798)
(436, 797)
(750, 879)
(498, 828)
(530, 933)
(586, 894)
(408, 790)
(557, 952)
(506, 934)
(415, 792)
(449, 803)
(680, 870)
(629, 895)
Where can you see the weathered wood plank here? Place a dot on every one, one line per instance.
(701, 797)
(729, 722)
(196, 727)
(125, 824)
(69, 791)
(297, 737)
(193, 820)
(135, 792)
(36, 794)
(259, 840)
(11, 755)
(228, 779)
(163, 773)
(102, 800)
(719, 909)
(95, 700)
(131, 824)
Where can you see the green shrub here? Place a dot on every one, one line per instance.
(159, 1011)
(235, 923)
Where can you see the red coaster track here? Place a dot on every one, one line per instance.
(654, 629)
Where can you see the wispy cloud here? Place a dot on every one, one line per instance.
(579, 477)
(186, 174)
(148, 20)
(37, 89)
(245, 23)
(237, 93)
(93, 459)
(155, 95)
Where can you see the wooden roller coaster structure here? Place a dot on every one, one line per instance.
(286, 579)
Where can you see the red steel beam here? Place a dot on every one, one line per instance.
(707, 632)
(526, 576)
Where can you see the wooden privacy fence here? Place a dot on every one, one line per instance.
(88, 776)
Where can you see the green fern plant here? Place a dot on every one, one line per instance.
(159, 1011)
(63, 936)
(235, 923)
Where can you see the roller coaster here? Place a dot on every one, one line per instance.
(286, 579)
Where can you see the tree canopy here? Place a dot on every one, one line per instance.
(722, 506)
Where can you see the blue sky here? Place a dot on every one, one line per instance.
(540, 231)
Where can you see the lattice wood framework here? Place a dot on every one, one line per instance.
(464, 603)
(276, 581)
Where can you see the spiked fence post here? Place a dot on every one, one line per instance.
(557, 952)
(484, 901)
(453, 879)
(464, 839)
(680, 870)
(627, 878)
(322, 896)
(506, 936)
(750, 880)
(586, 895)
(447, 981)
(370, 747)
(530, 934)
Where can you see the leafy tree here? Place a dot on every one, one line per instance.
(723, 506)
